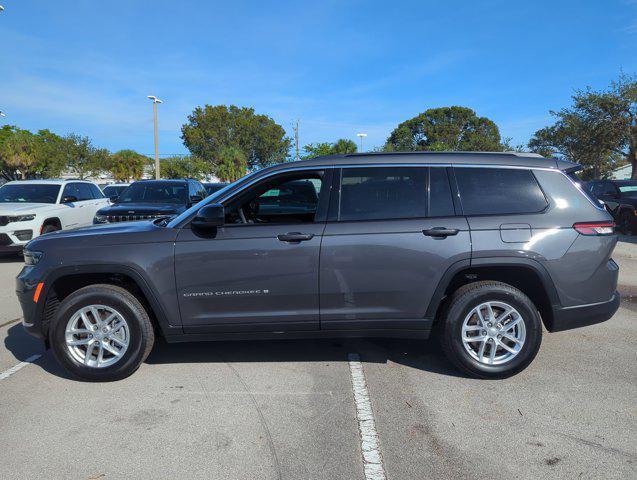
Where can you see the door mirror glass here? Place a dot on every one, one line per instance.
(195, 199)
(69, 199)
(114, 198)
(208, 217)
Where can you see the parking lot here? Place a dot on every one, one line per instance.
(286, 409)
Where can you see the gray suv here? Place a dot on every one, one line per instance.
(483, 248)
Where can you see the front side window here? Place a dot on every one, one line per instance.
(284, 199)
(155, 192)
(80, 191)
(29, 193)
(499, 191)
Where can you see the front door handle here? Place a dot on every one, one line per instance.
(295, 237)
(440, 232)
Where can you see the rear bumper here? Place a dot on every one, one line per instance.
(566, 318)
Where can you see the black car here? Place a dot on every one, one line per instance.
(214, 187)
(620, 197)
(148, 199)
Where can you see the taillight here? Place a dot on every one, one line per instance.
(595, 228)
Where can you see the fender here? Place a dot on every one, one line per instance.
(521, 262)
(148, 291)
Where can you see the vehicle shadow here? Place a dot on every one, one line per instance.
(423, 355)
(628, 238)
(23, 346)
(11, 258)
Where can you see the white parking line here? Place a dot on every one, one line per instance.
(19, 366)
(370, 444)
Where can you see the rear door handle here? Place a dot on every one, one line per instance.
(440, 232)
(295, 237)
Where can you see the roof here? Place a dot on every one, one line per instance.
(532, 160)
(48, 181)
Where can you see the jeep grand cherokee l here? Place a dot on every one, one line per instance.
(486, 247)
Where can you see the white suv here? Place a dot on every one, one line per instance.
(30, 208)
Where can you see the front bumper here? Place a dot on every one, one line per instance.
(566, 318)
(32, 312)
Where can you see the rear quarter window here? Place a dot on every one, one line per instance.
(499, 191)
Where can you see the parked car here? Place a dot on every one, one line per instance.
(486, 247)
(29, 208)
(114, 190)
(148, 199)
(621, 198)
(214, 187)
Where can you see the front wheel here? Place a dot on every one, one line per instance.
(624, 225)
(491, 330)
(101, 333)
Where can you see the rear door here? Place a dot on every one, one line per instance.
(393, 233)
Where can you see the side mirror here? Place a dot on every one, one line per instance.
(195, 199)
(69, 199)
(114, 198)
(209, 217)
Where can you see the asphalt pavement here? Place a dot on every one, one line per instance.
(286, 409)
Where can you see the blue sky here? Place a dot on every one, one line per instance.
(340, 67)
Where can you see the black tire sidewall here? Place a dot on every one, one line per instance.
(531, 320)
(110, 298)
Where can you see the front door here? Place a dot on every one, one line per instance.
(258, 272)
(389, 241)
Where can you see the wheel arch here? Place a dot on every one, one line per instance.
(63, 281)
(536, 282)
(51, 221)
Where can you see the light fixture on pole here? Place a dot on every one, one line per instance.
(155, 102)
(1, 8)
(361, 136)
(2, 114)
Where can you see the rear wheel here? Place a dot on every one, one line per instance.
(101, 333)
(491, 330)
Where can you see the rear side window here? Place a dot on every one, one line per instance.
(382, 193)
(97, 193)
(499, 191)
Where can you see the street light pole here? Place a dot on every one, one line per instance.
(155, 102)
(361, 136)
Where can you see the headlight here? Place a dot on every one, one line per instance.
(31, 258)
(100, 219)
(22, 218)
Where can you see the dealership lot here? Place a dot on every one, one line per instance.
(286, 409)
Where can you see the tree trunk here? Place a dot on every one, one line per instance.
(632, 152)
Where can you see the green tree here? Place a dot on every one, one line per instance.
(341, 146)
(232, 164)
(83, 159)
(127, 165)
(446, 128)
(19, 153)
(211, 128)
(599, 129)
(184, 167)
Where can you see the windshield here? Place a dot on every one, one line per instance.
(155, 192)
(209, 199)
(29, 193)
(114, 190)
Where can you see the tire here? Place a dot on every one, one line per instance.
(463, 307)
(49, 228)
(624, 222)
(109, 301)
